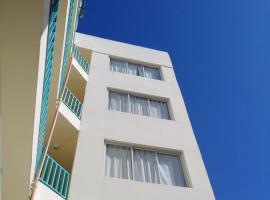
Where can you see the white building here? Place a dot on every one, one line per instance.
(89, 118)
(135, 139)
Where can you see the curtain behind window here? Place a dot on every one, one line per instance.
(152, 73)
(118, 66)
(118, 101)
(139, 105)
(159, 109)
(145, 166)
(170, 169)
(133, 69)
(141, 71)
(118, 162)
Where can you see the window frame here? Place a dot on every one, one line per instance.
(177, 153)
(166, 101)
(143, 65)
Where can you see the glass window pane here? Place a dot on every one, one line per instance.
(145, 166)
(159, 109)
(141, 71)
(118, 162)
(118, 101)
(139, 105)
(122, 66)
(170, 170)
(118, 66)
(153, 73)
(133, 69)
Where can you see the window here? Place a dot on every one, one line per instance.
(134, 69)
(118, 160)
(149, 166)
(138, 105)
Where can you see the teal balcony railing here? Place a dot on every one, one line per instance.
(47, 78)
(71, 101)
(55, 176)
(67, 46)
(81, 60)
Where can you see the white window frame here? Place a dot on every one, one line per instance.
(157, 151)
(137, 63)
(140, 96)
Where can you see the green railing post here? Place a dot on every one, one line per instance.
(81, 60)
(71, 101)
(49, 172)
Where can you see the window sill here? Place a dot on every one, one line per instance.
(143, 117)
(144, 184)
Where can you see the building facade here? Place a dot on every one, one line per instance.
(135, 139)
(95, 118)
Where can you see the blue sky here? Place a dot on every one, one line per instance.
(221, 55)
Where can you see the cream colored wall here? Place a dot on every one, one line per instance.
(99, 124)
(0, 156)
(21, 31)
(40, 78)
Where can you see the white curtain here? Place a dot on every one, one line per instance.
(139, 105)
(118, 101)
(118, 162)
(148, 166)
(159, 109)
(132, 69)
(152, 73)
(145, 166)
(170, 170)
(141, 71)
(118, 66)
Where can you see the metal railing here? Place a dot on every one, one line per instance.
(67, 46)
(47, 78)
(81, 60)
(55, 176)
(71, 101)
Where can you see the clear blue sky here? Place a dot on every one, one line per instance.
(220, 50)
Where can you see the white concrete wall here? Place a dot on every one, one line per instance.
(45, 193)
(69, 115)
(99, 124)
(123, 50)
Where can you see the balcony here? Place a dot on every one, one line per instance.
(55, 177)
(80, 59)
(71, 105)
(72, 102)
(71, 108)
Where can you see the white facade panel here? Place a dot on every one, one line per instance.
(122, 50)
(43, 192)
(69, 115)
(79, 69)
(99, 124)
